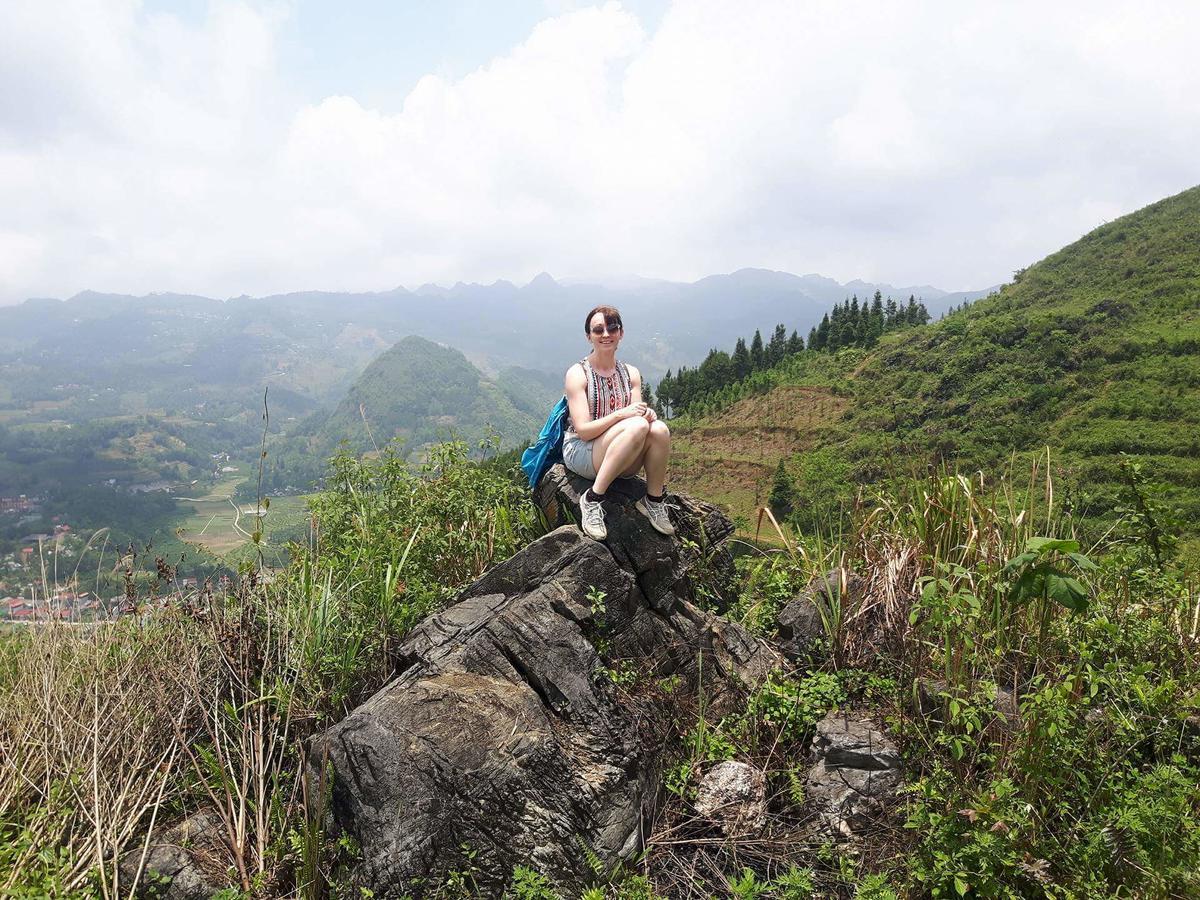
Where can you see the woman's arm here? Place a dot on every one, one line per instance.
(635, 384)
(587, 428)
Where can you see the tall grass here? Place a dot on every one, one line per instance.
(111, 732)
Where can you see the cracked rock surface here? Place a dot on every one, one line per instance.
(504, 734)
(857, 769)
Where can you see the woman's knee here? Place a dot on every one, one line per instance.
(659, 431)
(636, 426)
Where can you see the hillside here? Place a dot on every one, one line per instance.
(419, 392)
(1094, 351)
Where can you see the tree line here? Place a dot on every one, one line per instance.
(849, 324)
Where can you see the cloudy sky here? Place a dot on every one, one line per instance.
(252, 147)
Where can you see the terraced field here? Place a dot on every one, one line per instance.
(730, 459)
(222, 526)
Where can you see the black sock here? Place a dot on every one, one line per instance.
(593, 497)
(658, 499)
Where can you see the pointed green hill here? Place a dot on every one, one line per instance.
(420, 392)
(1094, 352)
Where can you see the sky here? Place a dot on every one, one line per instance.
(229, 147)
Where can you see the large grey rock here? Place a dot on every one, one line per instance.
(504, 733)
(857, 769)
(734, 795)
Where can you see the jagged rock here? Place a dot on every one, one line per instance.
(800, 628)
(734, 795)
(857, 770)
(698, 546)
(187, 863)
(801, 631)
(848, 588)
(504, 733)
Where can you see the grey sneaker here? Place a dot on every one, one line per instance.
(591, 518)
(656, 512)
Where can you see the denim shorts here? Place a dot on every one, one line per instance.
(577, 455)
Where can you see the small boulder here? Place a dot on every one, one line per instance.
(857, 771)
(734, 795)
(188, 862)
(800, 627)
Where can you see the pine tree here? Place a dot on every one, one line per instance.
(812, 338)
(821, 338)
(875, 324)
(648, 396)
(854, 323)
(741, 359)
(834, 341)
(757, 355)
(890, 313)
(795, 344)
(782, 493)
(777, 347)
(666, 388)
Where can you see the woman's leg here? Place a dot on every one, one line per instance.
(619, 449)
(658, 448)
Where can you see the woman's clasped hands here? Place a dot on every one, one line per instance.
(639, 409)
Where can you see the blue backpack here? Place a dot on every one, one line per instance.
(547, 449)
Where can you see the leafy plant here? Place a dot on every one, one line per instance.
(793, 706)
(747, 886)
(1043, 573)
(529, 884)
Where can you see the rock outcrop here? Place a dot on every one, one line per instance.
(857, 770)
(505, 734)
(801, 629)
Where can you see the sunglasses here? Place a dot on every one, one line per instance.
(611, 329)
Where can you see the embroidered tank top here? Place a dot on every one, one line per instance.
(606, 393)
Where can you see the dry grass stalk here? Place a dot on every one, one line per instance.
(87, 747)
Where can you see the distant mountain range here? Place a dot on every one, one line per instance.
(184, 354)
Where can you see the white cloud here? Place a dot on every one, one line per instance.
(934, 142)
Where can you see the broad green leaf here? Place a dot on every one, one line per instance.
(1083, 562)
(1019, 562)
(1028, 586)
(1046, 545)
(1066, 591)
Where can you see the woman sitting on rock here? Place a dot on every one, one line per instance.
(612, 432)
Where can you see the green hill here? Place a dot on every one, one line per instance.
(419, 392)
(1094, 352)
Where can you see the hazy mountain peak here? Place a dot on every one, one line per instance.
(542, 280)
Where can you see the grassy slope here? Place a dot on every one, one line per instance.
(1094, 351)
